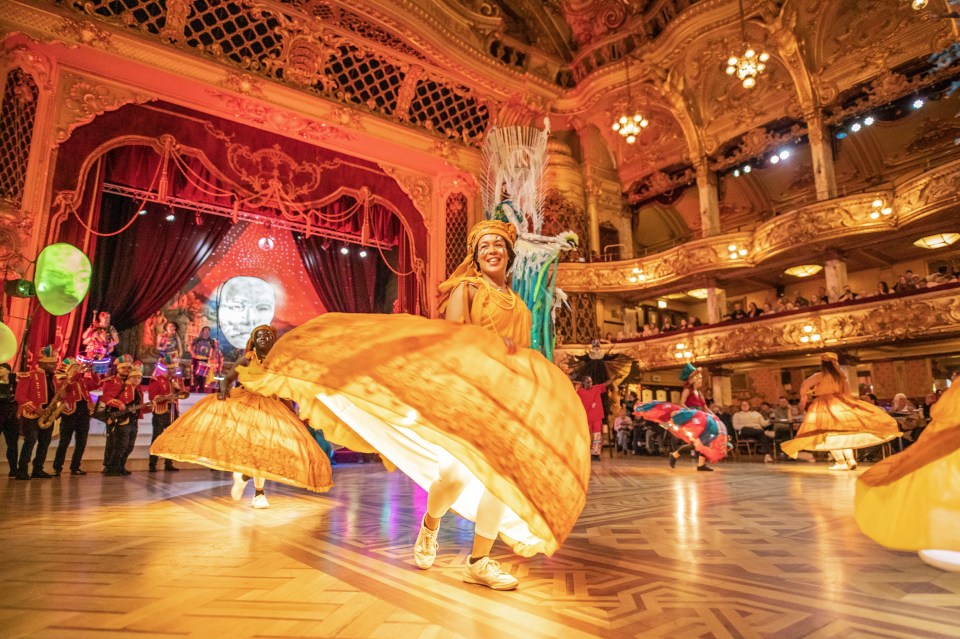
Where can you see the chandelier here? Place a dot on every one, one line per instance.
(939, 240)
(918, 5)
(804, 270)
(627, 125)
(751, 64)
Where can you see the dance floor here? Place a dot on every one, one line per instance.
(752, 550)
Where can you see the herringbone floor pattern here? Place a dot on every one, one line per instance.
(748, 551)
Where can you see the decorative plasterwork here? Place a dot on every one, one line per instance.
(27, 58)
(932, 314)
(242, 83)
(818, 222)
(418, 187)
(16, 227)
(85, 32)
(83, 99)
(281, 120)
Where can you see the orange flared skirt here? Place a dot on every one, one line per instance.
(836, 422)
(250, 434)
(414, 389)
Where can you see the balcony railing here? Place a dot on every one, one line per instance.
(828, 220)
(921, 315)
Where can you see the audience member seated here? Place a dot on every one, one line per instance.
(883, 288)
(649, 331)
(904, 283)
(822, 297)
(738, 313)
(784, 411)
(753, 311)
(623, 429)
(799, 301)
(683, 324)
(693, 322)
(749, 424)
(667, 327)
(767, 309)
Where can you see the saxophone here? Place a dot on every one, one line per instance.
(50, 414)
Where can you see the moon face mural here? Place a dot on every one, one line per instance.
(62, 277)
(245, 303)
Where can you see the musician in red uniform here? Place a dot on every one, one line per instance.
(164, 391)
(35, 390)
(77, 408)
(120, 393)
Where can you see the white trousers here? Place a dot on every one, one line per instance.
(444, 491)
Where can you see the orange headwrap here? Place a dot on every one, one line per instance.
(251, 343)
(467, 267)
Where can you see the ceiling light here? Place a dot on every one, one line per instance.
(171, 217)
(344, 250)
(747, 168)
(661, 304)
(636, 270)
(266, 243)
(918, 103)
(732, 248)
(855, 127)
(736, 173)
(940, 240)
(632, 279)
(742, 252)
(868, 120)
(142, 212)
(804, 270)
(699, 293)
(918, 5)
(775, 159)
(784, 154)
(363, 253)
(630, 126)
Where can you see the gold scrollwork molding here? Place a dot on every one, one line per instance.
(280, 120)
(36, 64)
(83, 99)
(419, 188)
(85, 32)
(16, 227)
(935, 313)
(843, 217)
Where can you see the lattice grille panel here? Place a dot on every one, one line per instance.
(372, 32)
(456, 230)
(578, 324)
(449, 111)
(561, 215)
(146, 15)
(17, 114)
(231, 30)
(365, 79)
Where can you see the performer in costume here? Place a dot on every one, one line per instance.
(35, 390)
(99, 341)
(164, 392)
(75, 419)
(835, 420)
(169, 342)
(200, 351)
(248, 434)
(9, 423)
(911, 500)
(590, 395)
(118, 395)
(492, 431)
(691, 397)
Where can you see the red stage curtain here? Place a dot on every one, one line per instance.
(346, 283)
(141, 269)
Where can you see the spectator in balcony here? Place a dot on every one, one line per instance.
(904, 283)
(767, 309)
(667, 326)
(882, 288)
(799, 301)
(738, 313)
(608, 338)
(753, 310)
(750, 424)
(683, 324)
(847, 295)
(940, 277)
(783, 304)
(693, 322)
(648, 331)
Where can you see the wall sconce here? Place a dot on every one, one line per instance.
(880, 209)
(661, 303)
(737, 251)
(810, 334)
(681, 352)
(638, 276)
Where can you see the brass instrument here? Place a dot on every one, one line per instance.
(50, 414)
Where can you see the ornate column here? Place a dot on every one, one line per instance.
(592, 191)
(835, 272)
(709, 199)
(824, 175)
(716, 304)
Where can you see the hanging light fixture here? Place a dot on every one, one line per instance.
(751, 64)
(631, 122)
(918, 5)
(940, 240)
(804, 270)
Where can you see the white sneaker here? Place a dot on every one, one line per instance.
(236, 491)
(487, 572)
(838, 466)
(425, 550)
(260, 501)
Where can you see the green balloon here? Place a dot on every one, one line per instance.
(62, 278)
(8, 343)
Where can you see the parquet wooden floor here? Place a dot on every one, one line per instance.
(749, 551)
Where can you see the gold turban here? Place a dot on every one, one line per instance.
(829, 357)
(467, 267)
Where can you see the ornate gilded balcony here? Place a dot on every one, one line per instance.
(923, 315)
(840, 218)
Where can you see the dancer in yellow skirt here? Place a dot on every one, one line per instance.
(835, 420)
(489, 428)
(248, 434)
(911, 500)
